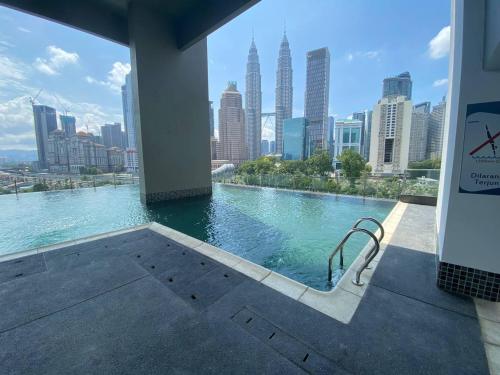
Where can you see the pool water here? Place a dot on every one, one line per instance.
(288, 232)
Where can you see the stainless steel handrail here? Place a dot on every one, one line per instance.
(368, 258)
(371, 254)
(340, 247)
(382, 231)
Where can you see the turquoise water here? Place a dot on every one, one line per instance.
(289, 232)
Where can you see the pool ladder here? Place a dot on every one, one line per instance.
(368, 258)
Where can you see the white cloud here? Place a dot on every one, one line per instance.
(58, 58)
(23, 29)
(371, 55)
(440, 82)
(10, 69)
(439, 46)
(115, 79)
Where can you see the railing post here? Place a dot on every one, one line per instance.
(15, 185)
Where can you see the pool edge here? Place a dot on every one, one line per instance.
(340, 303)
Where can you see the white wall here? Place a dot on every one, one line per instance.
(468, 224)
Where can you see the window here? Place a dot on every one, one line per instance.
(345, 135)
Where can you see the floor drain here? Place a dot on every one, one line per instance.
(105, 246)
(170, 279)
(19, 275)
(193, 296)
(305, 358)
(152, 267)
(168, 245)
(138, 255)
(249, 320)
(202, 263)
(272, 335)
(183, 253)
(226, 275)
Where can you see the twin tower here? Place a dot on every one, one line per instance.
(253, 98)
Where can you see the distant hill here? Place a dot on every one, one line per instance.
(19, 155)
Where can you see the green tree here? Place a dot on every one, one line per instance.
(319, 164)
(40, 187)
(425, 164)
(352, 164)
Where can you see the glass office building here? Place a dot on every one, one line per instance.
(294, 138)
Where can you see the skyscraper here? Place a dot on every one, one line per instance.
(128, 112)
(264, 147)
(436, 129)
(316, 97)
(253, 104)
(418, 133)
(45, 123)
(232, 126)
(294, 138)
(390, 135)
(284, 91)
(366, 118)
(112, 135)
(68, 124)
(211, 118)
(398, 86)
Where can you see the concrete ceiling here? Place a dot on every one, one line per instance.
(191, 20)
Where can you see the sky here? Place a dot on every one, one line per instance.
(368, 40)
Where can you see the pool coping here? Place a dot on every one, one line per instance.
(340, 303)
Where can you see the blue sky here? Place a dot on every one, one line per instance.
(368, 40)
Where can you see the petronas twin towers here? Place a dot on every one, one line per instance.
(253, 98)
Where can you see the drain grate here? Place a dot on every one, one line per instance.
(293, 349)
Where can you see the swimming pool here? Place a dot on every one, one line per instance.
(288, 232)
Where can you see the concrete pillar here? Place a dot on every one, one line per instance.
(468, 210)
(171, 109)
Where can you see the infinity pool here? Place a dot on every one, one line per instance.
(289, 232)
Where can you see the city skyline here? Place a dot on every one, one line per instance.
(43, 54)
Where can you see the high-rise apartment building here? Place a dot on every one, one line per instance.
(390, 135)
(112, 135)
(253, 104)
(400, 85)
(68, 124)
(436, 130)
(284, 91)
(232, 134)
(316, 98)
(418, 133)
(294, 138)
(45, 123)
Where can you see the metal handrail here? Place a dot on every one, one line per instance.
(382, 231)
(372, 254)
(340, 247)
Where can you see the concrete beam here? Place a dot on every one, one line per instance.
(93, 17)
(205, 17)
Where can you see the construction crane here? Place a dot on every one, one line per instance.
(65, 110)
(32, 99)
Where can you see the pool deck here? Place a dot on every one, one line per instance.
(139, 301)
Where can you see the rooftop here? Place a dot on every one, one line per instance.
(150, 299)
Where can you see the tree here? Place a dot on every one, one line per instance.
(352, 164)
(40, 187)
(319, 164)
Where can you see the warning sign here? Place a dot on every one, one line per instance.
(480, 171)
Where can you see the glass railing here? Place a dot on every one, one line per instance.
(394, 187)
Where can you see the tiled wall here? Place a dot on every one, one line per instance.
(469, 281)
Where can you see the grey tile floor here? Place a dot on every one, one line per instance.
(142, 303)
